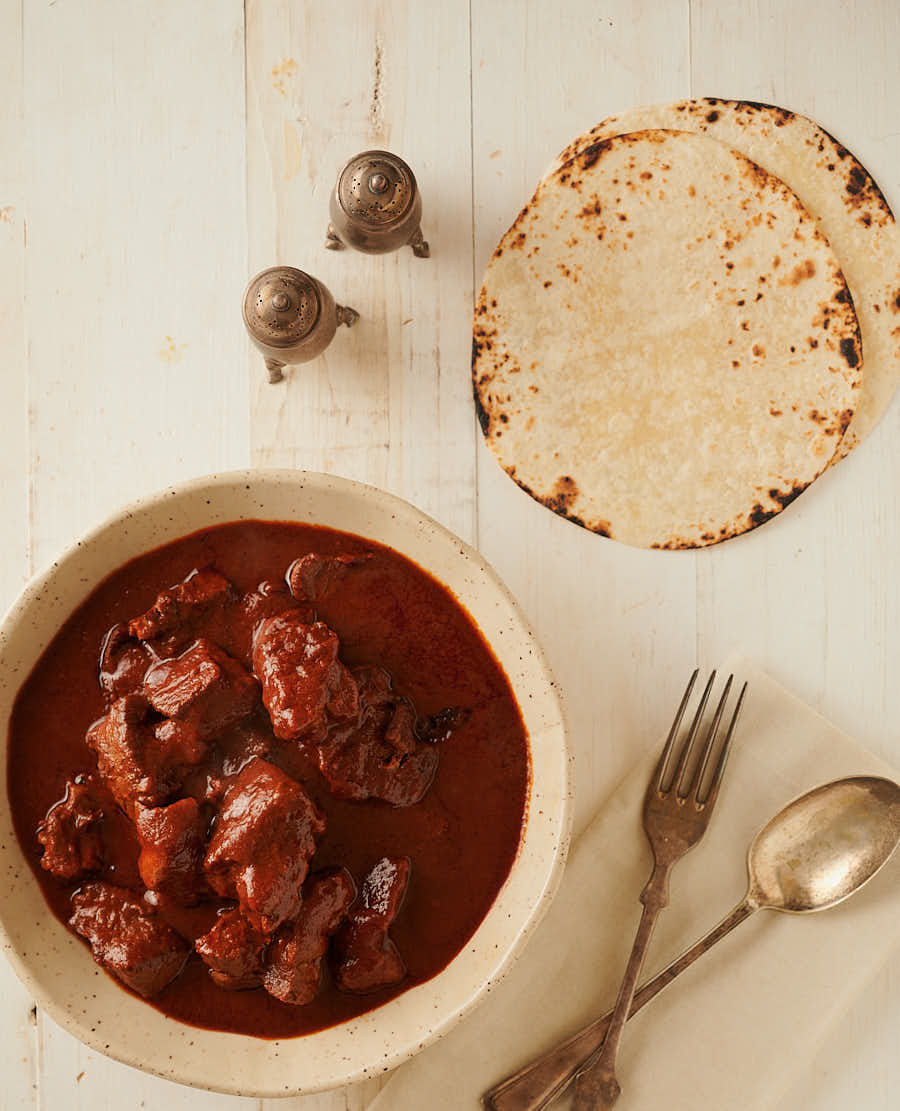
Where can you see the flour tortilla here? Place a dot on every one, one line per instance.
(837, 189)
(664, 350)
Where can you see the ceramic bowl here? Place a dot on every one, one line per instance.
(57, 967)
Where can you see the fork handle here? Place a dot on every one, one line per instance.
(596, 1086)
(536, 1085)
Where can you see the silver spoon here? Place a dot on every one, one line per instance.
(817, 851)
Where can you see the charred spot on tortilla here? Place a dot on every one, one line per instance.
(849, 351)
(592, 154)
(484, 418)
(785, 497)
(801, 272)
(759, 516)
(781, 115)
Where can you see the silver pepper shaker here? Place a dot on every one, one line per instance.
(291, 317)
(376, 207)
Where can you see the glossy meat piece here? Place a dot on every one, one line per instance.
(378, 756)
(173, 841)
(268, 600)
(123, 663)
(72, 832)
(140, 761)
(263, 840)
(233, 950)
(313, 576)
(233, 749)
(366, 958)
(172, 619)
(127, 938)
(203, 687)
(304, 684)
(293, 966)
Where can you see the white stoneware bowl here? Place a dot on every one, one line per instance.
(57, 968)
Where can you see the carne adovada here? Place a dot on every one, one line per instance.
(291, 788)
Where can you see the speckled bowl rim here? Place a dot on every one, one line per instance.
(57, 968)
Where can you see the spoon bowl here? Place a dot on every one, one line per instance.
(825, 845)
(817, 851)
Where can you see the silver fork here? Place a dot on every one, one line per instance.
(677, 810)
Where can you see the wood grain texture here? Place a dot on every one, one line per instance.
(14, 470)
(135, 209)
(388, 403)
(610, 617)
(810, 598)
(132, 187)
(158, 159)
(18, 1022)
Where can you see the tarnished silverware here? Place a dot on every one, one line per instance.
(677, 809)
(376, 206)
(816, 852)
(291, 317)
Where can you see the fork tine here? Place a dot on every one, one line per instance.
(711, 795)
(684, 758)
(659, 775)
(708, 745)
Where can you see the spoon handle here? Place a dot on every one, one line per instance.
(540, 1082)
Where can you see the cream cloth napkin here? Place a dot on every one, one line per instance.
(737, 1027)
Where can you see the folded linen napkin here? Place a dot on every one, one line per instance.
(736, 1028)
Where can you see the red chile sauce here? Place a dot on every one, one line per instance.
(461, 838)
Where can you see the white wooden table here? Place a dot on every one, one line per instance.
(154, 154)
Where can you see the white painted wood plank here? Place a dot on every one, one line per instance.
(389, 402)
(78, 1079)
(18, 1022)
(617, 623)
(813, 596)
(136, 254)
(13, 380)
(19, 1046)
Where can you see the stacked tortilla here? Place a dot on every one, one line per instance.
(697, 312)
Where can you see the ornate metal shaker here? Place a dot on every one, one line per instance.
(291, 317)
(376, 207)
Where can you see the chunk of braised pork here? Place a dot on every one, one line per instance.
(233, 951)
(171, 622)
(262, 843)
(293, 965)
(204, 687)
(234, 747)
(142, 762)
(123, 663)
(268, 600)
(72, 832)
(127, 938)
(313, 576)
(304, 684)
(379, 755)
(173, 841)
(366, 958)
